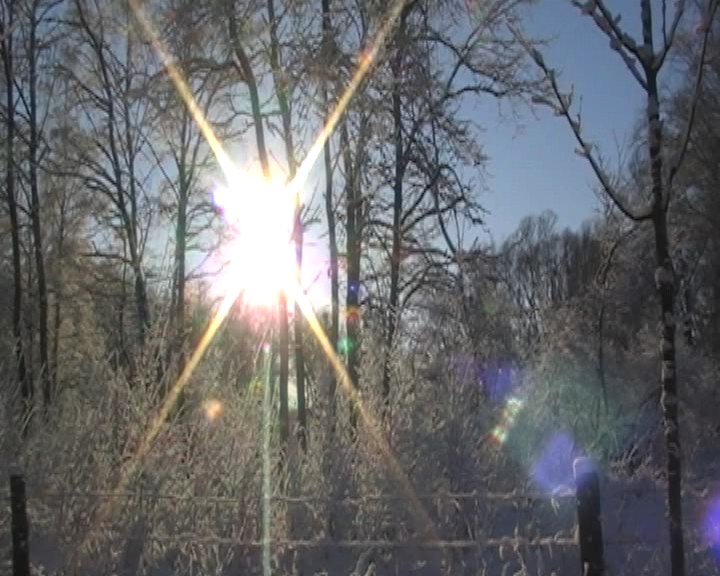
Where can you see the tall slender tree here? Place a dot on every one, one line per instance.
(327, 45)
(35, 14)
(645, 60)
(111, 99)
(182, 153)
(283, 93)
(7, 35)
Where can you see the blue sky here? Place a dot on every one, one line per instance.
(533, 166)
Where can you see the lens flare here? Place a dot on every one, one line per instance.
(213, 409)
(711, 526)
(509, 415)
(553, 469)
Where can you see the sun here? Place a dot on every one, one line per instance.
(259, 252)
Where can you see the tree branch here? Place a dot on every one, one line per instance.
(668, 39)
(620, 42)
(697, 90)
(562, 108)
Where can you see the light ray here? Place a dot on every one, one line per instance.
(267, 465)
(373, 426)
(366, 61)
(174, 393)
(166, 407)
(226, 164)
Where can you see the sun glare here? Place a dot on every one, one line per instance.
(259, 252)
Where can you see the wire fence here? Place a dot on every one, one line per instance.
(151, 532)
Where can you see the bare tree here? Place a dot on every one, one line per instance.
(36, 43)
(110, 91)
(644, 60)
(191, 43)
(432, 200)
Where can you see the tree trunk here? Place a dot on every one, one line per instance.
(281, 89)
(121, 343)
(180, 250)
(35, 216)
(284, 345)
(141, 298)
(141, 301)
(57, 314)
(396, 250)
(25, 384)
(330, 216)
(243, 65)
(298, 326)
(665, 284)
(353, 252)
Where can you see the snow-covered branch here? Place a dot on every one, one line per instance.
(561, 104)
(620, 42)
(669, 37)
(697, 90)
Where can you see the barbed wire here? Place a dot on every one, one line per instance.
(565, 492)
(514, 496)
(306, 498)
(479, 544)
(66, 497)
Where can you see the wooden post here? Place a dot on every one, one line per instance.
(588, 511)
(20, 531)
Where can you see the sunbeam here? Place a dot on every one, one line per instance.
(174, 393)
(371, 423)
(266, 464)
(169, 401)
(366, 61)
(227, 166)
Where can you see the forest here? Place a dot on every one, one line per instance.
(252, 322)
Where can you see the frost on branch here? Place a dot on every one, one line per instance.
(538, 57)
(669, 320)
(537, 99)
(585, 151)
(628, 40)
(589, 7)
(663, 276)
(666, 346)
(645, 53)
(567, 99)
(668, 370)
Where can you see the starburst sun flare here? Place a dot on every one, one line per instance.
(260, 212)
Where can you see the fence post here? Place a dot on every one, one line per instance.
(587, 493)
(20, 531)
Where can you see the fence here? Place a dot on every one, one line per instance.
(169, 534)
